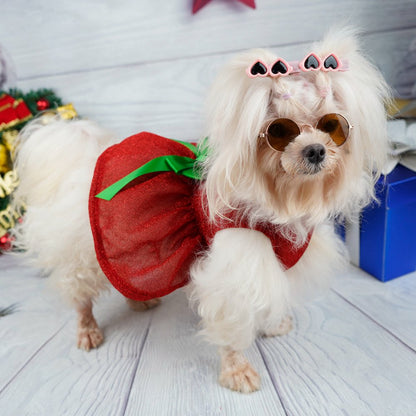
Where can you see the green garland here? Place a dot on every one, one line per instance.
(31, 100)
(32, 97)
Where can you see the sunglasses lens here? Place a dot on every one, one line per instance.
(281, 132)
(336, 126)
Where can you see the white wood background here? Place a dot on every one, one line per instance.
(139, 65)
(146, 65)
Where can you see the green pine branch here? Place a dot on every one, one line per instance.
(33, 96)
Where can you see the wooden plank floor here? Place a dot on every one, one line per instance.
(352, 352)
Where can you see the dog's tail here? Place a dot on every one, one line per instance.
(55, 163)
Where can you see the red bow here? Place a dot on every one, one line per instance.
(199, 4)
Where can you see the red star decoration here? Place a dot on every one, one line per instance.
(199, 4)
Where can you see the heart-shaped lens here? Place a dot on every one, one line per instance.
(311, 62)
(331, 63)
(279, 67)
(258, 69)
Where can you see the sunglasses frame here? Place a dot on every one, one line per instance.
(265, 134)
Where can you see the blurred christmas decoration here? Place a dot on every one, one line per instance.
(7, 72)
(402, 134)
(199, 4)
(405, 109)
(16, 109)
(405, 85)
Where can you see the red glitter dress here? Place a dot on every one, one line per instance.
(147, 236)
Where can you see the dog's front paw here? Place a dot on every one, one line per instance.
(138, 305)
(89, 337)
(237, 373)
(285, 326)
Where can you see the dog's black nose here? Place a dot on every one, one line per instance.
(314, 153)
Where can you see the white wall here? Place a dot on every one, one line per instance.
(139, 65)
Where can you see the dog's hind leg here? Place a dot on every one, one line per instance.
(88, 334)
(79, 288)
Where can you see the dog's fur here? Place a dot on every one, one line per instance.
(240, 288)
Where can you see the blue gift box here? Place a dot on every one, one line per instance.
(387, 246)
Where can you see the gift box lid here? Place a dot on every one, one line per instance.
(399, 186)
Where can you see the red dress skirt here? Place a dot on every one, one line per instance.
(147, 236)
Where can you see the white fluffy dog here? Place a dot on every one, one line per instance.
(274, 158)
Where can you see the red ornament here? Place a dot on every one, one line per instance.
(199, 4)
(6, 242)
(42, 104)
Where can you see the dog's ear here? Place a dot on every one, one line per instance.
(237, 107)
(237, 103)
(363, 94)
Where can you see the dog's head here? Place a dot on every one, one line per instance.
(292, 142)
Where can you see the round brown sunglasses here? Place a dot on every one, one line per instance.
(280, 132)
